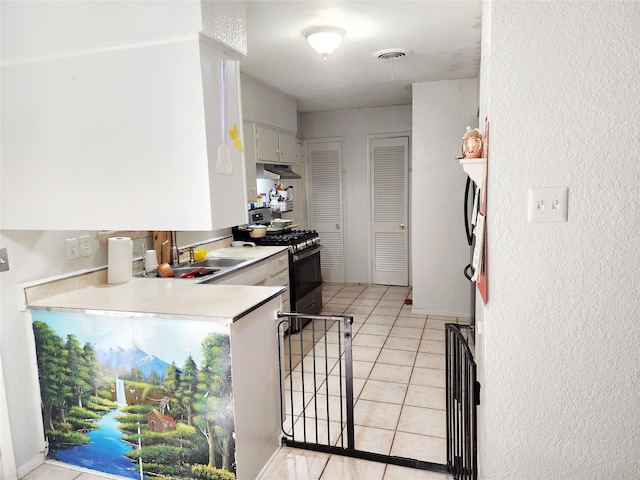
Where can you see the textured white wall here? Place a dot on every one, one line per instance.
(354, 126)
(441, 112)
(561, 386)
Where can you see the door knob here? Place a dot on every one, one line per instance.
(402, 226)
(337, 226)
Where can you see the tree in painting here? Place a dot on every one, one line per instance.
(79, 369)
(214, 415)
(95, 378)
(53, 372)
(186, 395)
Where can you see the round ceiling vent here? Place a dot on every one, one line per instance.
(391, 53)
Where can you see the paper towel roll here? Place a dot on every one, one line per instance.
(120, 254)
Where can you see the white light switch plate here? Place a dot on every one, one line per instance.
(548, 204)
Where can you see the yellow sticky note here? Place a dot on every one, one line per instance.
(233, 133)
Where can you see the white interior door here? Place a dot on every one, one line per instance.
(325, 206)
(389, 210)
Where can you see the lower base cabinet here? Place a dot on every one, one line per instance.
(177, 397)
(272, 271)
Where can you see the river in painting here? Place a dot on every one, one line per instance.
(105, 452)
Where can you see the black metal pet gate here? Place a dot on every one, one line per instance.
(463, 396)
(316, 380)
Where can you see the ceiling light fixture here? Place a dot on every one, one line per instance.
(324, 40)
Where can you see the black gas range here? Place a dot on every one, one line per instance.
(305, 278)
(297, 240)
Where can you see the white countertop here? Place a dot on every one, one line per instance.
(168, 297)
(171, 296)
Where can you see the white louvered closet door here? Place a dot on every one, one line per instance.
(389, 210)
(325, 179)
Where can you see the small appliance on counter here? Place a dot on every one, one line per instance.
(281, 198)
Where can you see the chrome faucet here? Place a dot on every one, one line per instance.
(175, 253)
(191, 257)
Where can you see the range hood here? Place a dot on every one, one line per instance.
(276, 172)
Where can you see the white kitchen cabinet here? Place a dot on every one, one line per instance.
(273, 271)
(256, 275)
(288, 149)
(268, 147)
(279, 277)
(274, 146)
(121, 139)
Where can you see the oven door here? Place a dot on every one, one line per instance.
(305, 281)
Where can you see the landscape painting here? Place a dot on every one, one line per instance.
(139, 397)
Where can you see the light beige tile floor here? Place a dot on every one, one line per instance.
(399, 393)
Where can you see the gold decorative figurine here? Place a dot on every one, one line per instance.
(472, 144)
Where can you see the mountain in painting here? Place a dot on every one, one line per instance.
(132, 357)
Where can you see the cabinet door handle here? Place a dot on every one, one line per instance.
(402, 226)
(337, 226)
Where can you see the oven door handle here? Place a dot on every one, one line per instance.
(306, 253)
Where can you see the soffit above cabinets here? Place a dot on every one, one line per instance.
(88, 147)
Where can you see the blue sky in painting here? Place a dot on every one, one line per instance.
(167, 339)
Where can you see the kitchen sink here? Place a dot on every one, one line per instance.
(221, 262)
(208, 268)
(193, 272)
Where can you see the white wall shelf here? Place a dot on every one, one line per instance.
(474, 167)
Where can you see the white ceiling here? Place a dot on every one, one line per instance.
(443, 37)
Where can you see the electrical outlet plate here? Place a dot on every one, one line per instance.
(548, 204)
(84, 242)
(71, 247)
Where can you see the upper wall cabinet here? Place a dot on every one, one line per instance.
(122, 138)
(275, 147)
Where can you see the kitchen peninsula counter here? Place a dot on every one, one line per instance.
(171, 318)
